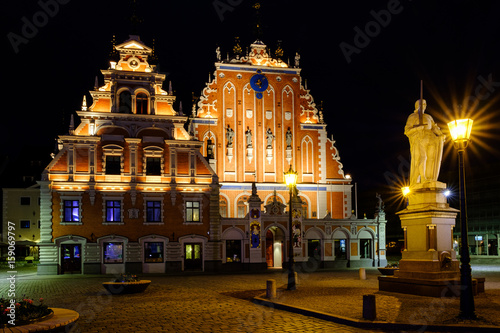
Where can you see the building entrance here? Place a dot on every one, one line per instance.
(193, 256)
(71, 261)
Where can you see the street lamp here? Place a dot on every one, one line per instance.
(291, 181)
(460, 131)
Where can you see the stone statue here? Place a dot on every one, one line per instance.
(426, 146)
(248, 134)
(269, 138)
(297, 59)
(288, 139)
(217, 53)
(229, 136)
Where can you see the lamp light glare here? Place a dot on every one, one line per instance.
(405, 190)
(291, 177)
(460, 129)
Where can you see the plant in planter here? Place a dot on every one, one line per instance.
(23, 312)
(126, 284)
(389, 269)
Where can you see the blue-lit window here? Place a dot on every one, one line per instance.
(71, 211)
(113, 253)
(153, 211)
(25, 224)
(153, 252)
(113, 211)
(192, 211)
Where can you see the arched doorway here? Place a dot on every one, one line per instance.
(275, 239)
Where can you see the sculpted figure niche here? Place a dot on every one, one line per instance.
(426, 146)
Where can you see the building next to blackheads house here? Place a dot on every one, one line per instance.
(142, 188)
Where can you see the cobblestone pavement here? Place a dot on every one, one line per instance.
(209, 303)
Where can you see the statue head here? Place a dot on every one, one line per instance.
(417, 105)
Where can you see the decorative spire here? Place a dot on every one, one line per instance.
(153, 59)
(321, 120)
(279, 50)
(134, 19)
(258, 21)
(96, 83)
(237, 50)
(84, 103)
(181, 113)
(170, 91)
(71, 125)
(114, 56)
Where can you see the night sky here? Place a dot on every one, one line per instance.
(453, 46)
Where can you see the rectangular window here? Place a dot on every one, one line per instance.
(25, 201)
(340, 249)
(192, 211)
(113, 253)
(113, 165)
(25, 224)
(113, 211)
(365, 248)
(153, 211)
(233, 251)
(153, 166)
(153, 252)
(71, 211)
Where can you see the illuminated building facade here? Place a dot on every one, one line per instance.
(131, 190)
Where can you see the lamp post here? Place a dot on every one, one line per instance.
(291, 181)
(460, 131)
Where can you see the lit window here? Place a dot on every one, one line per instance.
(153, 252)
(365, 248)
(233, 251)
(242, 207)
(192, 211)
(113, 211)
(153, 211)
(113, 253)
(71, 211)
(113, 165)
(25, 224)
(223, 207)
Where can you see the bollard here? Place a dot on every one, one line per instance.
(271, 288)
(362, 274)
(296, 278)
(369, 308)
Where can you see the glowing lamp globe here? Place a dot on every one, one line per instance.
(460, 129)
(405, 190)
(290, 177)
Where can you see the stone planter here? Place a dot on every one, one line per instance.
(117, 288)
(387, 270)
(58, 319)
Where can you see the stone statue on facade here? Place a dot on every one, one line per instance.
(229, 136)
(248, 134)
(269, 138)
(288, 138)
(426, 146)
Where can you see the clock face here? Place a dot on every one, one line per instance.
(133, 62)
(259, 82)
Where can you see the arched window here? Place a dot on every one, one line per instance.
(223, 207)
(141, 103)
(125, 102)
(242, 206)
(304, 208)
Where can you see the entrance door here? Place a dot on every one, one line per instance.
(192, 256)
(269, 248)
(71, 261)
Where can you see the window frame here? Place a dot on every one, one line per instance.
(146, 209)
(107, 198)
(112, 150)
(24, 227)
(153, 152)
(62, 215)
(162, 252)
(192, 199)
(117, 261)
(24, 198)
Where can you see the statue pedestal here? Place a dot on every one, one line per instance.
(428, 266)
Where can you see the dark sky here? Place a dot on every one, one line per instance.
(452, 45)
